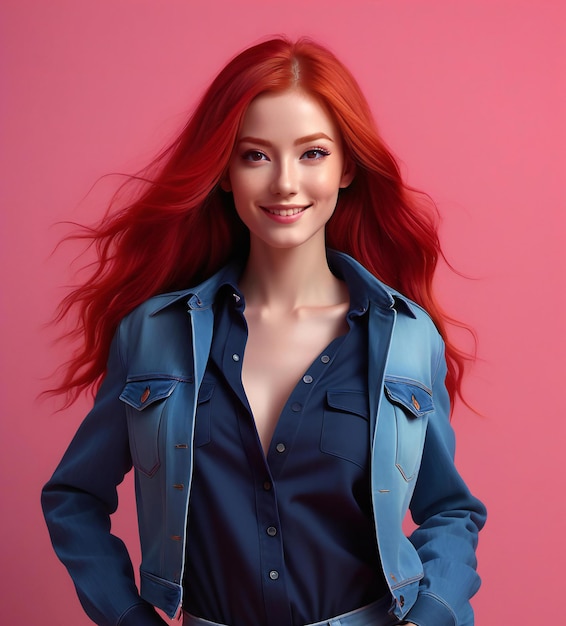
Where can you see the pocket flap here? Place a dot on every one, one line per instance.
(409, 395)
(141, 393)
(348, 401)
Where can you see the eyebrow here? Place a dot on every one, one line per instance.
(297, 142)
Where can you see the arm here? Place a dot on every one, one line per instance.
(77, 504)
(449, 520)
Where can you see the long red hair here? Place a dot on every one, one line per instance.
(182, 227)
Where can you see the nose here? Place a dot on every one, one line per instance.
(285, 180)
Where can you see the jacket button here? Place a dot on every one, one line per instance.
(401, 601)
(415, 403)
(145, 395)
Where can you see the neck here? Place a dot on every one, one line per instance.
(290, 278)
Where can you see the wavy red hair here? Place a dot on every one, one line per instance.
(182, 227)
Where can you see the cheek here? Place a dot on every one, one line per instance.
(326, 184)
(245, 184)
(246, 195)
(242, 194)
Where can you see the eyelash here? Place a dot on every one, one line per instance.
(321, 151)
(249, 154)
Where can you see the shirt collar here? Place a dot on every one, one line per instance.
(364, 287)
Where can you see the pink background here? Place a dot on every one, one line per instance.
(470, 94)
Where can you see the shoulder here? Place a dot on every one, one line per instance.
(415, 321)
(155, 310)
(156, 336)
(416, 349)
(162, 323)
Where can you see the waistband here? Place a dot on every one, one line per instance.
(374, 614)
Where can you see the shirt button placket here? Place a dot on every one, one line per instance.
(271, 543)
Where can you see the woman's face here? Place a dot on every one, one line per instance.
(286, 169)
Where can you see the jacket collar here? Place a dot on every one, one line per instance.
(202, 296)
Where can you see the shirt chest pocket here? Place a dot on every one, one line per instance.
(411, 404)
(345, 426)
(145, 400)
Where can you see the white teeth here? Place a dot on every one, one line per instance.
(284, 212)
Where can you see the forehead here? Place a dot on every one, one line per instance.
(290, 113)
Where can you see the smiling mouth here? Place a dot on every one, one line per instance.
(285, 212)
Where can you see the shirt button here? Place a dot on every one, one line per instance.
(325, 358)
(296, 407)
(280, 447)
(307, 379)
(235, 357)
(273, 574)
(272, 531)
(267, 485)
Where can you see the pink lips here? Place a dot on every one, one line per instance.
(284, 213)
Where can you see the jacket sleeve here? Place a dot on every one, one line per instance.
(77, 504)
(449, 519)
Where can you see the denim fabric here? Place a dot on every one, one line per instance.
(144, 415)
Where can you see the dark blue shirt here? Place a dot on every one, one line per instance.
(288, 538)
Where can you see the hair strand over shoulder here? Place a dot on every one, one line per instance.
(182, 227)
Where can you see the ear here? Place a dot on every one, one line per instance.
(225, 184)
(348, 174)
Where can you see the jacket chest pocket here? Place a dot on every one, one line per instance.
(146, 400)
(411, 403)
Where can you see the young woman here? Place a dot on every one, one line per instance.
(255, 319)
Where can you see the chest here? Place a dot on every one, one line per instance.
(278, 353)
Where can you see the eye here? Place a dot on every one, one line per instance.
(315, 154)
(254, 155)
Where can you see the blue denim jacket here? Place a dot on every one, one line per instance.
(144, 415)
